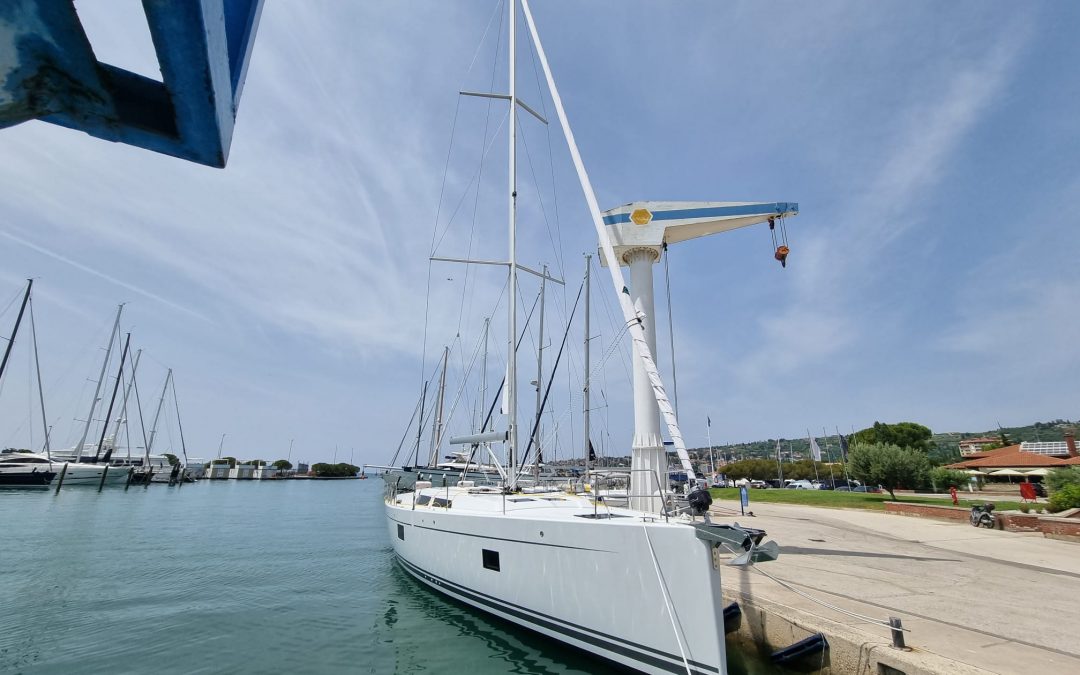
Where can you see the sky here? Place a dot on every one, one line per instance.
(933, 150)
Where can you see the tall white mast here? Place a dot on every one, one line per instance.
(585, 389)
(539, 378)
(153, 427)
(122, 417)
(437, 423)
(97, 389)
(483, 376)
(511, 365)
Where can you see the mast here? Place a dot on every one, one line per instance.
(153, 425)
(122, 417)
(483, 374)
(511, 365)
(220, 444)
(437, 423)
(112, 401)
(15, 331)
(176, 404)
(420, 425)
(41, 393)
(585, 388)
(97, 389)
(539, 378)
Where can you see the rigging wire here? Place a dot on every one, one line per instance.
(671, 334)
(442, 187)
(479, 179)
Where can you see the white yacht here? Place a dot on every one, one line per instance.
(74, 474)
(638, 586)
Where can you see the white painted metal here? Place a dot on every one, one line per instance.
(539, 380)
(648, 456)
(586, 383)
(555, 560)
(629, 236)
(486, 437)
(511, 350)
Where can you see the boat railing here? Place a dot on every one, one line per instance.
(599, 476)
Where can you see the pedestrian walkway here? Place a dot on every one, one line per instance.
(1002, 602)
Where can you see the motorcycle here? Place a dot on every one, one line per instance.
(982, 516)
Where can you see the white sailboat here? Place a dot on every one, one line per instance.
(541, 559)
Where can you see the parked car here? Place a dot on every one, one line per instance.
(838, 484)
(760, 484)
(867, 488)
(800, 485)
(775, 483)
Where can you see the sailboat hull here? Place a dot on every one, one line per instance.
(642, 594)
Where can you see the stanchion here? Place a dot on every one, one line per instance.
(104, 472)
(897, 632)
(63, 472)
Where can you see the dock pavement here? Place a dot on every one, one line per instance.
(971, 600)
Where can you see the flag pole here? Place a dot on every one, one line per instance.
(708, 433)
(779, 463)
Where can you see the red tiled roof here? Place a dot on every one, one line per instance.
(990, 453)
(1009, 457)
(1073, 461)
(982, 439)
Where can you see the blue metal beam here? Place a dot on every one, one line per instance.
(203, 49)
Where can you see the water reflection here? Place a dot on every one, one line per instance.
(454, 637)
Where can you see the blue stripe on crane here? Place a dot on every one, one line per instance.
(778, 208)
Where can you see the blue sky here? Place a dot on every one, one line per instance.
(933, 276)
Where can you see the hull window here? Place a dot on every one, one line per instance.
(401, 532)
(491, 560)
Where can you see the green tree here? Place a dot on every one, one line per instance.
(943, 478)
(1068, 497)
(231, 461)
(889, 466)
(339, 470)
(1060, 478)
(282, 465)
(903, 434)
(173, 459)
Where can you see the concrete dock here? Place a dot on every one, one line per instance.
(971, 600)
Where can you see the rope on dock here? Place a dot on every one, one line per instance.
(869, 619)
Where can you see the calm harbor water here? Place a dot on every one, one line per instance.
(236, 577)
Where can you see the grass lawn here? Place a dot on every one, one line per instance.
(845, 500)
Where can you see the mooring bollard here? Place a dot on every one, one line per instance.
(131, 472)
(63, 472)
(104, 472)
(897, 632)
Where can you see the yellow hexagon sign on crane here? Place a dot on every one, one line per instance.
(641, 216)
